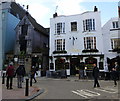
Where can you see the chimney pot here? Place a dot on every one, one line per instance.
(95, 9)
(55, 15)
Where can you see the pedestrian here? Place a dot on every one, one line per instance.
(85, 73)
(10, 74)
(20, 72)
(33, 72)
(117, 67)
(95, 75)
(114, 76)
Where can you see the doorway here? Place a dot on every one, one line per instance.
(74, 66)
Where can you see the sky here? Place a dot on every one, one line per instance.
(43, 10)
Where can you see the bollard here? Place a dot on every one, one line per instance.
(3, 78)
(30, 81)
(27, 87)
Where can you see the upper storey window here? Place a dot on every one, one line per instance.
(90, 42)
(115, 24)
(73, 26)
(59, 28)
(88, 25)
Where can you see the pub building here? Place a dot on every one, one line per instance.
(76, 42)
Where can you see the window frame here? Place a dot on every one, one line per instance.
(74, 26)
(89, 43)
(115, 43)
(115, 24)
(89, 25)
(60, 28)
(59, 44)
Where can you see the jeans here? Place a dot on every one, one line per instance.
(9, 82)
(19, 79)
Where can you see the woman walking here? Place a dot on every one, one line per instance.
(10, 74)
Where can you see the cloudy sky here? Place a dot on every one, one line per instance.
(42, 10)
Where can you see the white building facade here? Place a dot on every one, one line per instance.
(76, 41)
(111, 33)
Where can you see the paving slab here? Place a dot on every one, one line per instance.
(19, 93)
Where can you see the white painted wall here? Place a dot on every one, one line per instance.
(108, 35)
(79, 42)
(79, 34)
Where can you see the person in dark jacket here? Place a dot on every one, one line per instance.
(114, 76)
(10, 74)
(96, 75)
(117, 67)
(33, 72)
(20, 72)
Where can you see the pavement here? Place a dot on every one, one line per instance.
(19, 93)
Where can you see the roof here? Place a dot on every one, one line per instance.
(36, 26)
(19, 12)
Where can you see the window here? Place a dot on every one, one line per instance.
(59, 44)
(115, 43)
(59, 28)
(3, 15)
(90, 42)
(115, 24)
(24, 29)
(89, 25)
(73, 26)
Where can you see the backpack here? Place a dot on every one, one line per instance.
(20, 70)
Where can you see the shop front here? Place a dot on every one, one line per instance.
(89, 66)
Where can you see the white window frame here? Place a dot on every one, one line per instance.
(60, 28)
(115, 24)
(74, 26)
(89, 43)
(89, 25)
(59, 44)
(115, 43)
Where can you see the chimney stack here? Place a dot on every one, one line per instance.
(95, 9)
(55, 15)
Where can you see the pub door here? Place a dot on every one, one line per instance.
(74, 66)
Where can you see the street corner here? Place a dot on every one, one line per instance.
(19, 93)
(36, 92)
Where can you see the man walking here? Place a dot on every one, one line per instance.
(117, 68)
(10, 75)
(114, 76)
(96, 75)
(20, 71)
